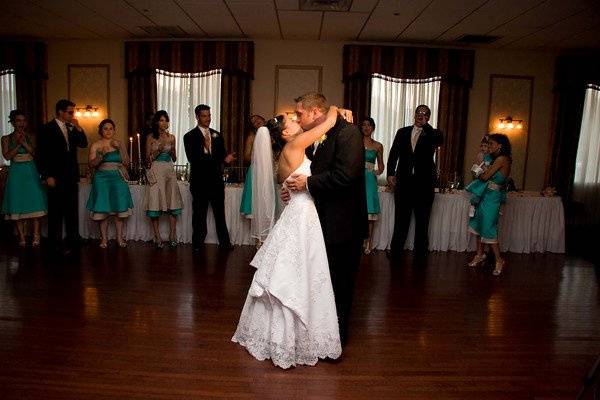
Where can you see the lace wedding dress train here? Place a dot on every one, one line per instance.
(289, 315)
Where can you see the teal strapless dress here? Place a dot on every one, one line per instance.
(477, 187)
(110, 193)
(485, 221)
(371, 183)
(163, 156)
(246, 203)
(24, 194)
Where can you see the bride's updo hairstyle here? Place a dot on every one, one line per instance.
(275, 127)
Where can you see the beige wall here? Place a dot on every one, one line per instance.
(269, 53)
(111, 52)
(540, 66)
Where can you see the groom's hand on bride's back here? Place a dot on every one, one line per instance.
(296, 182)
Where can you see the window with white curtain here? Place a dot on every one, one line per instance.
(586, 184)
(8, 102)
(178, 94)
(393, 105)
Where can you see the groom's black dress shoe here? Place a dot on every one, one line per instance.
(226, 246)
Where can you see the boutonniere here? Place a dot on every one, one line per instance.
(322, 139)
(214, 135)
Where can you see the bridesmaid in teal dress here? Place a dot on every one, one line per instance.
(246, 204)
(484, 223)
(24, 195)
(110, 193)
(373, 152)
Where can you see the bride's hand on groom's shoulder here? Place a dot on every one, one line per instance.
(346, 114)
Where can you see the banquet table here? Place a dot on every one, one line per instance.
(138, 226)
(529, 223)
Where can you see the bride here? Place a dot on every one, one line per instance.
(289, 315)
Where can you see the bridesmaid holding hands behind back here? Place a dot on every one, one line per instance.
(373, 152)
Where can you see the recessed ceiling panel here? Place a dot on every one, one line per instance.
(342, 26)
(301, 25)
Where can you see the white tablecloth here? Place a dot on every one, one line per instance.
(138, 226)
(527, 224)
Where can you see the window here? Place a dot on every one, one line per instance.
(393, 104)
(179, 94)
(8, 102)
(586, 184)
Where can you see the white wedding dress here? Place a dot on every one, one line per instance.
(289, 315)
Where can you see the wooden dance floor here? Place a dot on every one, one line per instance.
(140, 323)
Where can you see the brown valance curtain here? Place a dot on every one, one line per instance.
(29, 60)
(236, 59)
(454, 66)
(572, 75)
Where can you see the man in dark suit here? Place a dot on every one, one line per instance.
(205, 150)
(58, 141)
(411, 171)
(337, 185)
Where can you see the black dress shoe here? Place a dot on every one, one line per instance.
(197, 246)
(226, 246)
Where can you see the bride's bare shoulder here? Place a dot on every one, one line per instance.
(283, 169)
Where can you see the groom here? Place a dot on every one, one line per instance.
(337, 185)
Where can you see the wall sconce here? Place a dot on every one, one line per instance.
(510, 123)
(291, 115)
(87, 112)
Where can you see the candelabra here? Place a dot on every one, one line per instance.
(142, 178)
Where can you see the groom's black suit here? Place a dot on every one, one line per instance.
(337, 185)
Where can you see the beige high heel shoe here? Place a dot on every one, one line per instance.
(498, 268)
(477, 260)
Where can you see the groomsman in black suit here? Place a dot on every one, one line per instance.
(57, 162)
(337, 185)
(411, 171)
(205, 150)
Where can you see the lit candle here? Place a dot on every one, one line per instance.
(139, 150)
(130, 148)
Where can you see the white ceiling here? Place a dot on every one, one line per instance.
(538, 24)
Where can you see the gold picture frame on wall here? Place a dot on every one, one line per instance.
(512, 96)
(292, 81)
